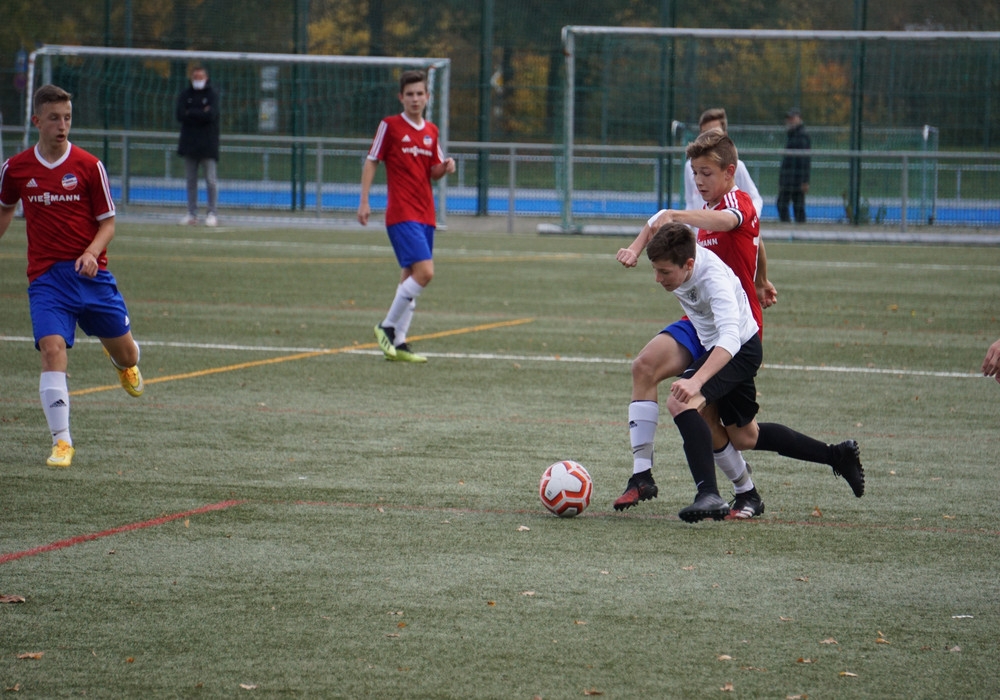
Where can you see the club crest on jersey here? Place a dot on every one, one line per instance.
(428, 141)
(692, 296)
(69, 181)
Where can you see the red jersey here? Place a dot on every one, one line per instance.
(738, 247)
(409, 153)
(63, 204)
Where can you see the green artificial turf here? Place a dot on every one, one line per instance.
(286, 514)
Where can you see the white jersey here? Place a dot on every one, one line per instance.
(714, 300)
(692, 197)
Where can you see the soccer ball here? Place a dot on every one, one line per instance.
(566, 488)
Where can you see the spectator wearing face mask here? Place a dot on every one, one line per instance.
(198, 113)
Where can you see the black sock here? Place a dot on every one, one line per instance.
(789, 443)
(698, 449)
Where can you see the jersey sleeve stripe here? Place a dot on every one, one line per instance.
(109, 202)
(373, 152)
(3, 172)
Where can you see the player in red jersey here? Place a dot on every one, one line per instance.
(70, 219)
(408, 145)
(729, 226)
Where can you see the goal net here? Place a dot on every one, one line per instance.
(871, 101)
(294, 128)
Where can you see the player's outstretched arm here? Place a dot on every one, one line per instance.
(367, 178)
(443, 168)
(629, 257)
(6, 216)
(991, 364)
(766, 293)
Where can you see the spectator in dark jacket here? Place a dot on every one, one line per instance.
(198, 113)
(793, 177)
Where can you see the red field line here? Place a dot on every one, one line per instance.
(79, 539)
(223, 505)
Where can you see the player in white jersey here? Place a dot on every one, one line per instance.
(716, 302)
(715, 118)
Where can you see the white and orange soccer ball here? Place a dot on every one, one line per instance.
(565, 488)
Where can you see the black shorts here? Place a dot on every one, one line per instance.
(732, 389)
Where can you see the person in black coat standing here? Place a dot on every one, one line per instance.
(198, 113)
(793, 177)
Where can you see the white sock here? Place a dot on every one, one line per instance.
(731, 462)
(407, 291)
(403, 326)
(54, 393)
(643, 417)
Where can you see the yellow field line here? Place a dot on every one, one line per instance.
(306, 355)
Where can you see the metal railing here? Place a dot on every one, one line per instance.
(901, 188)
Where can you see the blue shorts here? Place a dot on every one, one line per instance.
(412, 242)
(60, 298)
(684, 333)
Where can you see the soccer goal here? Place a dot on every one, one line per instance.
(294, 128)
(879, 107)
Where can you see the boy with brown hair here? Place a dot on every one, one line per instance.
(70, 220)
(728, 226)
(408, 144)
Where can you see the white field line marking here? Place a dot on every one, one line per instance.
(565, 255)
(493, 357)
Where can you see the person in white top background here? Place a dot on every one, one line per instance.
(715, 118)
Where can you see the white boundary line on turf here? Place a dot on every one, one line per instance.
(522, 358)
(384, 249)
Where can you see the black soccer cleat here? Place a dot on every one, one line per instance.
(706, 505)
(745, 506)
(847, 463)
(641, 487)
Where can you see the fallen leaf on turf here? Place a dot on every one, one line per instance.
(14, 688)
(817, 513)
(688, 568)
(11, 598)
(829, 640)
(187, 522)
(727, 688)
(592, 691)
(724, 657)
(392, 636)
(528, 593)
(948, 517)
(881, 639)
(579, 622)
(961, 617)
(803, 579)
(523, 528)
(955, 649)
(35, 655)
(796, 697)
(491, 603)
(848, 674)
(130, 660)
(804, 660)
(248, 686)
(753, 668)
(401, 625)
(786, 619)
